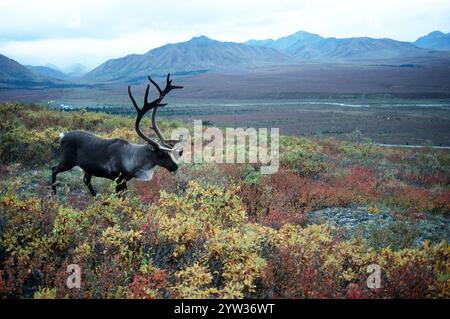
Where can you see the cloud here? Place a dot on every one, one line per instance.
(74, 19)
(88, 51)
(91, 31)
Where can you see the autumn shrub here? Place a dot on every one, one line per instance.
(112, 238)
(313, 263)
(330, 147)
(26, 243)
(304, 163)
(397, 235)
(419, 199)
(359, 185)
(149, 283)
(30, 147)
(302, 156)
(296, 194)
(359, 152)
(199, 244)
(290, 193)
(424, 168)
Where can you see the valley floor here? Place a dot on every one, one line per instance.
(384, 120)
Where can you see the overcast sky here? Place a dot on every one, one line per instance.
(63, 32)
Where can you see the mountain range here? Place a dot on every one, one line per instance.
(312, 47)
(16, 75)
(204, 55)
(71, 72)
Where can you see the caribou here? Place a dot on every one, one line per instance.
(117, 159)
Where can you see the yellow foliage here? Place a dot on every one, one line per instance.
(194, 283)
(374, 210)
(199, 244)
(45, 293)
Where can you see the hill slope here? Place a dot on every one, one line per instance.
(15, 75)
(48, 72)
(13, 72)
(435, 40)
(197, 55)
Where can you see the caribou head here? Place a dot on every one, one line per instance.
(117, 159)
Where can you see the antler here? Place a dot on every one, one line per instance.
(154, 107)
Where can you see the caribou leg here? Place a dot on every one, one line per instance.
(121, 187)
(87, 180)
(60, 168)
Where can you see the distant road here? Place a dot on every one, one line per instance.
(415, 146)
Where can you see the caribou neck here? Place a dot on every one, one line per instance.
(138, 158)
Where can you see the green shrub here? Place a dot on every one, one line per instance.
(30, 147)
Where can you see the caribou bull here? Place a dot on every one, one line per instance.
(117, 159)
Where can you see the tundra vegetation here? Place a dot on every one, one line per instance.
(217, 230)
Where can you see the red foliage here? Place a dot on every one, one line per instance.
(359, 291)
(418, 199)
(293, 196)
(289, 275)
(276, 201)
(148, 192)
(441, 178)
(254, 199)
(277, 218)
(156, 282)
(290, 196)
(410, 281)
(442, 201)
